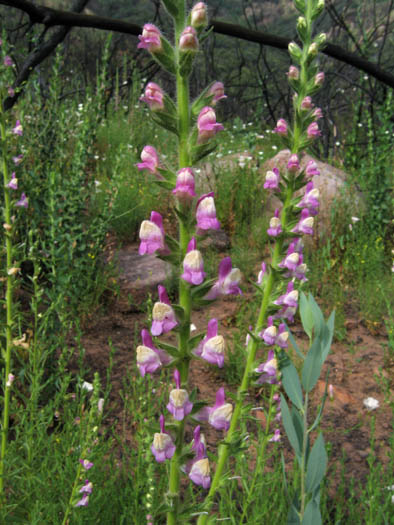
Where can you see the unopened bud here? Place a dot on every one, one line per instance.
(198, 15)
(7, 226)
(293, 73)
(295, 51)
(10, 380)
(321, 39)
(188, 40)
(13, 271)
(313, 49)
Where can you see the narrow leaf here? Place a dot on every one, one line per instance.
(289, 426)
(290, 380)
(328, 335)
(317, 464)
(172, 350)
(312, 365)
(317, 315)
(294, 344)
(312, 514)
(306, 313)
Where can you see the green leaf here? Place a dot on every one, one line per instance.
(298, 425)
(293, 517)
(312, 366)
(172, 350)
(164, 184)
(290, 380)
(195, 340)
(294, 344)
(289, 427)
(317, 315)
(328, 335)
(317, 464)
(306, 313)
(312, 514)
(317, 420)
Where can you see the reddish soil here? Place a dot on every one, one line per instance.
(357, 370)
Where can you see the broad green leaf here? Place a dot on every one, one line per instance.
(306, 315)
(289, 427)
(317, 464)
(312, 365)
(328, 335)
(317, 315)
(294, 344)
(291, 381)
(312, 514)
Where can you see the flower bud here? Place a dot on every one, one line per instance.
(217, 90)
(302, 27)
(295, 51)
(321, 40)
(306, 103)
(199, 16)
(207, 125)
(188, 40)
(184, 188)
(150, 159)
(293, 73)
(150, 39)
(293, 164)
(281, 127)
(313, 49)
(319, 79)
(313, 130)
(153, 96)
(206, 214)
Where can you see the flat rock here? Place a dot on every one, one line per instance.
(140, 271)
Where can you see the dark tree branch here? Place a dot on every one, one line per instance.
(42, 51)
(54, 17)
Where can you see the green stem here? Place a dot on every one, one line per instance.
(9, 303)
(303, 457)
(185, 302)
(261, 457)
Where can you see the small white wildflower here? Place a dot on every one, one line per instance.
(337, 144)
(365, 77)
(274, 147)
(87, 386)
(371, 403)
(193, 327)
(355, 219)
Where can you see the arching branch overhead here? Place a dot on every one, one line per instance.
(54, 17)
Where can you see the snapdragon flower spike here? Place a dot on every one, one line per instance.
(313, 130)
(262, 272)
(290, 298)
(217, 90)
(293, 163)
(179, 405)
(185, 185)
(13, 183)
(228, 281)
(206, 214)
(150, 160)
(310, 199)
(268, 370)
(198, 15)
(270, 333)
(163, 316)
(188, 40)
(207, 125)
(193, 265)
(199, 470)
(275, 228)
(281, 127)
(150, 39)
(153, 96)
(23, 202)
(311, 169)
(211, 348)
(283, 335)
(17, 129)
(163, 447)
(272, 179)
(305, 224)
(152, 234)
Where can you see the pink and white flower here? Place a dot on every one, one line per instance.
(206, 214)
(188, 40)
(281, 127)
(152, 235)
(228, 281)
(198, 15)
(179, 405)
(163, 316)
(272, 179)
(212, 347)
(217, 90)
(150, 160)
(207, 125)
(153, 96)
(275, 226)
(193, 265)
(268, 370)
(219, 415)
(163, 447)
(185, 185)
(150, 39)
(305, 224)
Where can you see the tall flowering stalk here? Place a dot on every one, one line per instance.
(195, 126)
(277, 281)
(9, 134)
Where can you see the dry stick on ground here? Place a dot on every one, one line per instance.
(54, 17)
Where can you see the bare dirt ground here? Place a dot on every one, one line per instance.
(358, 369)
